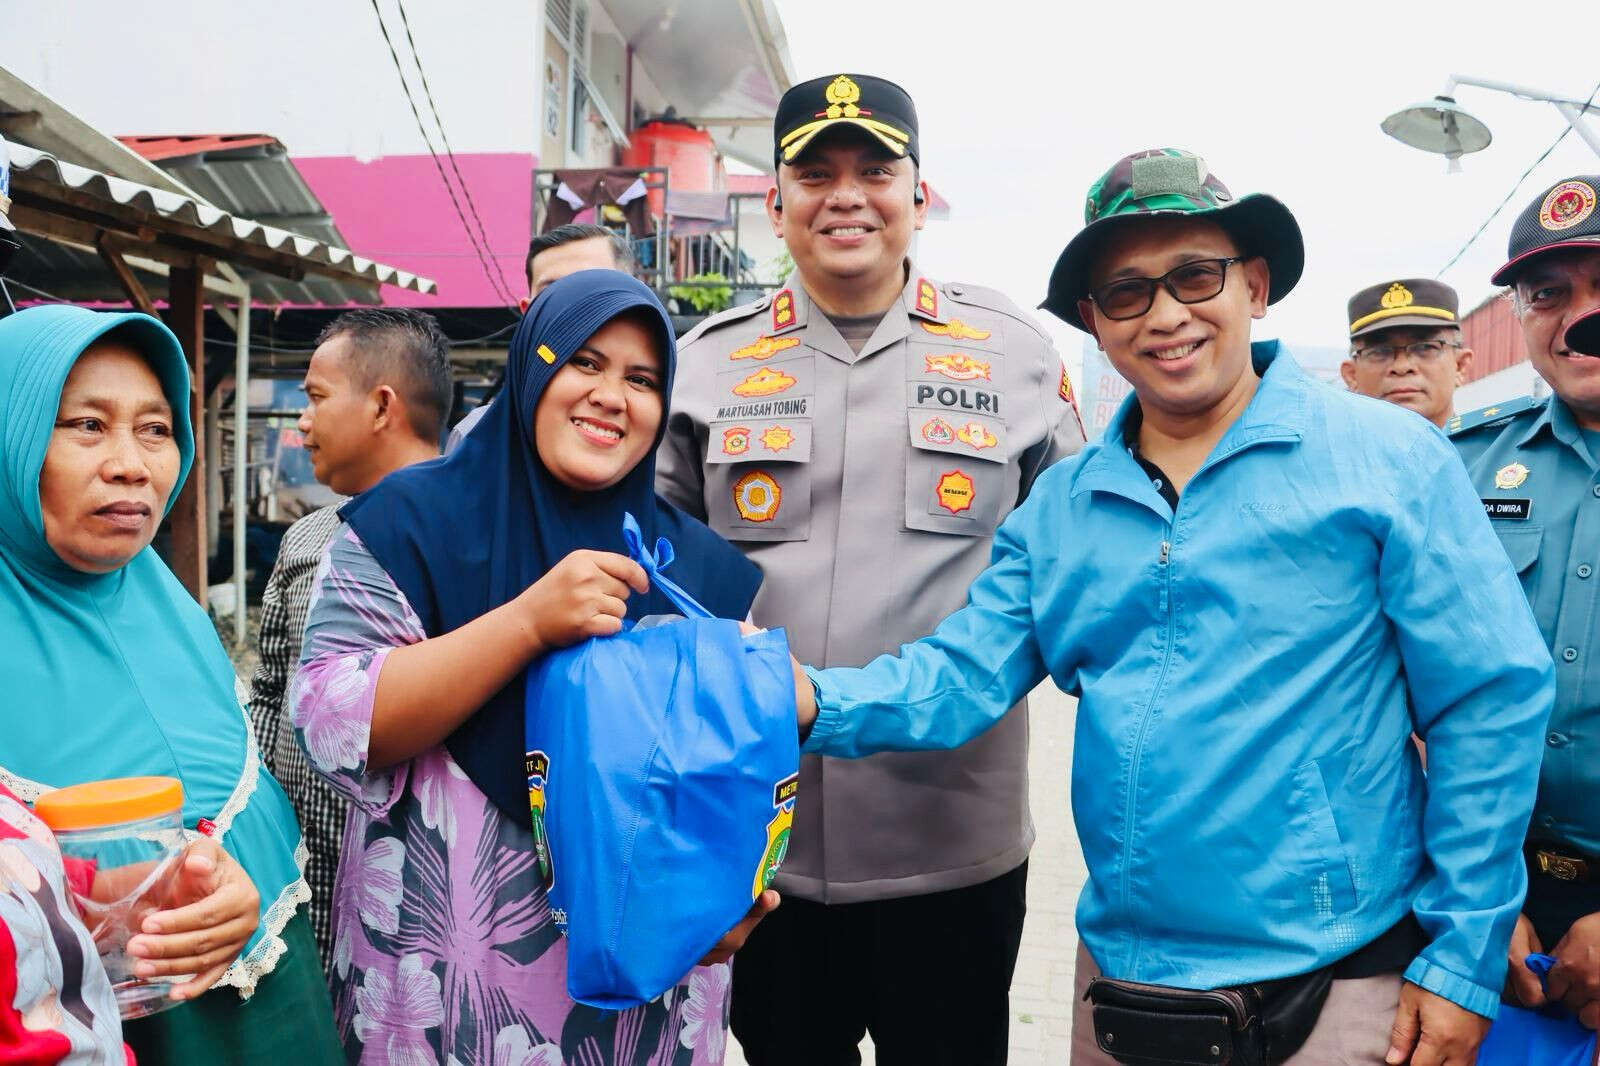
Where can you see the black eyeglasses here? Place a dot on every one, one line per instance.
(1421, 351)
(1191, 283)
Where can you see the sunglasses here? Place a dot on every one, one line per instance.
(1192, 283)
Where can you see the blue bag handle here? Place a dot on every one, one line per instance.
(655, 563)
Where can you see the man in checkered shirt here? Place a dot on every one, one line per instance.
(377, 396)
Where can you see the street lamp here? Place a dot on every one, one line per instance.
(1441, 126)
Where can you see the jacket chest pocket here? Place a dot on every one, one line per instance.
(758, 478)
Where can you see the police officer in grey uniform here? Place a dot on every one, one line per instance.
(860, 434)
(1536, 464)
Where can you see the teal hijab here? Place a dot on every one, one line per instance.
(121, 674)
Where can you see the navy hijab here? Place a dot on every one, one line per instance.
(468, 532)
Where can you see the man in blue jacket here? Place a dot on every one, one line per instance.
(1268, 586)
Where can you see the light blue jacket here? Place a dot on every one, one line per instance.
(1249, 671)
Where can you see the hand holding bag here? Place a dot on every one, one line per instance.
(662, 768)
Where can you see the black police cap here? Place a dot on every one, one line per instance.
(877, 108)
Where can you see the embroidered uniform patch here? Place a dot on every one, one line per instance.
(757, 497)
(938, 431)
(957, 366)
(777, 438)
(736, 440)
(765, 382)
(956, 329)
(765, 348)
(954, 492)
(976, 435)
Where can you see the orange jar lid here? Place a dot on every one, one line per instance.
(101, 803)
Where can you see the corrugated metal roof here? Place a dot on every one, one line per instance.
(329, 273)
(1495, 337)
(160, 148)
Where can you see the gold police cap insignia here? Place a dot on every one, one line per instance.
(1510, 476)
(1397, 296)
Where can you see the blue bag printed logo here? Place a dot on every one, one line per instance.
(783, 794)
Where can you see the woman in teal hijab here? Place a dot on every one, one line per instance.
(112, 670)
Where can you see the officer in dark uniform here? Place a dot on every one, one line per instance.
(1537, 466)
(860, 435)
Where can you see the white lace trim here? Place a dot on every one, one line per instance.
(250, 968)
(25, 790)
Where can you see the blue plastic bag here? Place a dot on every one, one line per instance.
(662, 771)
(1521, 1037)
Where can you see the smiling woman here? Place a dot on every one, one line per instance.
(112, 670)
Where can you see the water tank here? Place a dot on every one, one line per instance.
(690, 156)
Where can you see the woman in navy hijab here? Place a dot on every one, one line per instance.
(450, 578)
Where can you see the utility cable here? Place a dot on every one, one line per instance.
(1531, 168)
(449, 153)
(495, 281)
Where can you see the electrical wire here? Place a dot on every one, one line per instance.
(449, 153)
(1531, 168)
(47, 295)
(7, 293)
(495, 281)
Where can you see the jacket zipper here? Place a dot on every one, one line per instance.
(1144, 729)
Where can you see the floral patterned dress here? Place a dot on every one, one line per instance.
(444, 948)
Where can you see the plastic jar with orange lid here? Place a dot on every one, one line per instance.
(131, 830)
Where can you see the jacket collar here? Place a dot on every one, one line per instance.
(1277, 412)
(792, 309)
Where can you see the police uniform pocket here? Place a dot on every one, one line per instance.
(758, 479)
(958, 476)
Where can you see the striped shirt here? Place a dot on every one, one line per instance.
(320, 809)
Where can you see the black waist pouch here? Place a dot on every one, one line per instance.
(1259, 1024)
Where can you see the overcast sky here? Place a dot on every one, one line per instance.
(1023, 104)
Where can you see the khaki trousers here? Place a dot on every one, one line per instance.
(1353, 1029)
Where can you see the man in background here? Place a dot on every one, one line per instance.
(551, 257)
(1405, 346)
(377, 395)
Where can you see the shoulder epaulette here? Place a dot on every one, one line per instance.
(991, 300)
(1494, 415)
(722, 318)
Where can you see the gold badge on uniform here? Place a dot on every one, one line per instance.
(736, 441)
(976, 435)
(783, 310)
(765, 348)
(1065, 391)
(957, 366)
(956, 329)
(764, 382)
(777, 438)
(938, 431)
(1510, 476)
(954, 492)
(927, 298)
(757, 496)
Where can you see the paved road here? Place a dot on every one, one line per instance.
(1041, 994)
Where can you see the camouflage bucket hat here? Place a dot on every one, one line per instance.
(1169, 181)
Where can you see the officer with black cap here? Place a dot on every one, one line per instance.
(1405, 346)
(1536, 463)
(860, 435)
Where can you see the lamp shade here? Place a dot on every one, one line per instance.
(1438, 126)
